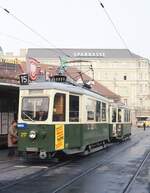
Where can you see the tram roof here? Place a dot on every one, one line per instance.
(4, 85)
(63, 87)
(9, 89)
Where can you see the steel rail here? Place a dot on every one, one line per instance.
(133, 178)
(74, 179)
(32, 176)
(90, 170)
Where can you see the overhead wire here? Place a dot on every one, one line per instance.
(18, 39)
(81, 73)
(35, 32)
(115, 27)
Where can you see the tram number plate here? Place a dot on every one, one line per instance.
(32, 149)
(24, 79)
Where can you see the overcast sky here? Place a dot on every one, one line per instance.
(76, 24)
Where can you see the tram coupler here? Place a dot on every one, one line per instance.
(43, 155)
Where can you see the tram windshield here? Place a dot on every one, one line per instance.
(35, 108)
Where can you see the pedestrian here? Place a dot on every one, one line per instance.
(12, 139)
(144, 125)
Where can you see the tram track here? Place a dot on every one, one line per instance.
(35, 175)
(102, 163)
(31, 178)
(16, 167)
(11, 165)
(133, 178)
(87, 171)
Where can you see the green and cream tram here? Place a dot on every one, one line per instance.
(59, 117)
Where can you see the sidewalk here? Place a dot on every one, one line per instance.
(3, 154)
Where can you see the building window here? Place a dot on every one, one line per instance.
(125, 101)
(140, 88)
(125, 77)
(140, 76)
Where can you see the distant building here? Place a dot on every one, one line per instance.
(11, 58)
(120, 70)
(1, 52)
(9, 72)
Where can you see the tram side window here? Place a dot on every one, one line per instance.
(114, 113)
(125, 116)
(128, 116)
(98, 111)
(59, 108)
(103, 111)
(73, 108)
(91, 107)
(119, 115)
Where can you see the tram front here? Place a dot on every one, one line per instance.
(35, 132)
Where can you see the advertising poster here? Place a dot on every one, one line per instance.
(59, 137)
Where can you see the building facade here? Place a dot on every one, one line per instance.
(120, 70)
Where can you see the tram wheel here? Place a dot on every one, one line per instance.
(87, 150)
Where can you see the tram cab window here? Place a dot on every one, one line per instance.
(119, 115)
(103, 111)
(114, 113)
(59, 107)
(73, 108)
(35, 108)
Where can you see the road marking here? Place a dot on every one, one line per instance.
(20, 166)
(24, 166)
(44, 167)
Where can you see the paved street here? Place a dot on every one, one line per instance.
(107, 171)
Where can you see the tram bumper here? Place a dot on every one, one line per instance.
(42, 154)
(32, 149)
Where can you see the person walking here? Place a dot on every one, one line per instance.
(144, 125)
(12, 139)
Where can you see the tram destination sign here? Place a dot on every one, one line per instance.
(24, 79)
(58, 78)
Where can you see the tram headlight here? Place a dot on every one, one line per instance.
(32, 134)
